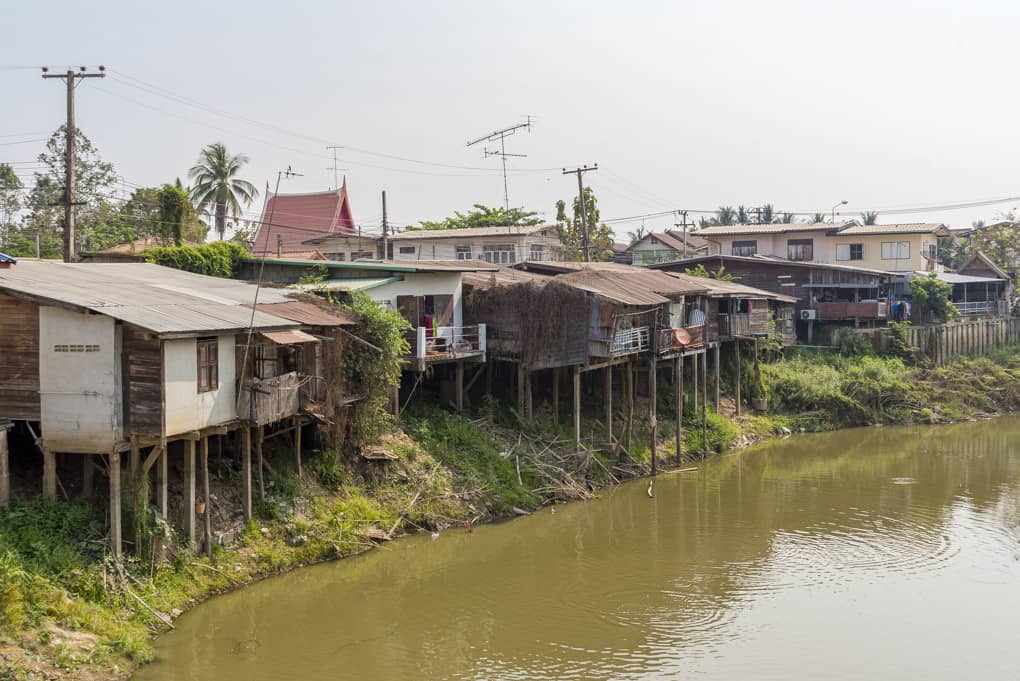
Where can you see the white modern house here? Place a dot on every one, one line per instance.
(494, 245)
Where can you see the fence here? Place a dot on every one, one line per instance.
(623, 342)
(942, 342)
(447, 341)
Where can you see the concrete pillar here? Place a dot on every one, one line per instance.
(260, 436)
(49, 474)
(717, 389)
(629, 366)
(115, 496)
(704, 400)
(189, 492)
(736, 350)
(163, 480)
(246, 470)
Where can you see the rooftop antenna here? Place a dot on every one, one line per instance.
(501, 135)
(335, 169)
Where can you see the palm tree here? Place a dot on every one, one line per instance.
(786, 218)
(742, 217)
(215, 185)
(818, 217)
(725, 215)
(637, 235)
(870, 217)
(767, 214)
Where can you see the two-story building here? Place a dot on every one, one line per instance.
(494, 245)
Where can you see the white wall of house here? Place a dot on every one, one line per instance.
(79, 381)
(423, 284)
(539, 246)
(777, 244)
(186, 408)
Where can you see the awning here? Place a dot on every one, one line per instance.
(289, 337)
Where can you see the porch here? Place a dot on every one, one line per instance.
(437, 345)
(680, 339)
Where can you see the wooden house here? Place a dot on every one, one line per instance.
(667, 246)
(103, 359)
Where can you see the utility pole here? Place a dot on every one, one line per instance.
(501, 135)
(71, 80)
(336, 170)
(385, 228)
(684, 224)
(584, 210)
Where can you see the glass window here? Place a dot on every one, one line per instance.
(362, 255)
(800, 249)
(406, 250)
(463, 252)
(850, 252)
(208, 365)
(501, 254)
(895, 250)
(744, 248)
(537, 251)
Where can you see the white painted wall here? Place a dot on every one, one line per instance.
(776, 244)
(446, 248)
(186, 408)
(423, 284)
(79, 383)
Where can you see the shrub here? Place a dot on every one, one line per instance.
(216, 259)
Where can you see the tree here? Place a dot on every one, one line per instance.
(142, 213)
(742, 217)
(767, 214)
(932, 296)
(484, 216)
(786, 218)
(571, 232)
(818, 217)
(217, 187)
(10, 200)
(725, 215)
(870, 217)
(173, 206)
(720, 273)
(637, 235)
(999, 242)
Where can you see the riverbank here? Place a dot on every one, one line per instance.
(68, 611)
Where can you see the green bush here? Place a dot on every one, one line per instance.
(216, 259)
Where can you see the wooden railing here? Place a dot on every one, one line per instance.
(666, 339)
(448, 341)
(268, 400)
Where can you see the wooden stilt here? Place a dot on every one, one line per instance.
(629, 367)
(556, 394)
(88, 476)
(207, 514)
(115, 526)
(652, 417)
(460, 385)
(49, 475)
(297, 446)
(260, 436)
(5, 469)
(678, 407)
(740, 370)
(716, 362)
(190, 528)
(246, 470)
(135, 462)
(520, 388)
(529, 394)
(162, 480)
(577, 406)
(704, 398)
(608, 398)
(394, 400)
(694, 382)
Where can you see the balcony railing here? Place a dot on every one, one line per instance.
(872, 309)
(981, 307)
(623, 342)
(268, 400)
(681, 338)
(447, 341)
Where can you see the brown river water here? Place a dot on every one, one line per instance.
(883, 553)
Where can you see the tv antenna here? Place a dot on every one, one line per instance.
(334, 168)
(501, 136)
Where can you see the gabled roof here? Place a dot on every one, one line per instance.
(299, 217)
(469, 232)
(905, 228)
(773, 228)
(980, 258)
(673, 240)
(163, 300)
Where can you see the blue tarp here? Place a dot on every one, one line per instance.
(4, 258)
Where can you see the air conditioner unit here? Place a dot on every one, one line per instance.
(807, 314)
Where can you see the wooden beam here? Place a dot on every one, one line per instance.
(704, 399)
(736, 350)
(630, 404)
(162, 480)
(716, 363)
(5, 469)
(115, 497)
(49, 474)
(190, 528)
(678, 406)
(520, 389)
(151, 459)
(135, 460)
(207, 514)
(460, 385)
(529, 394)
(608, 399)
(246, 470)
(259, 439)
(694, 383)
(608, 363)
(653, 420)
(474, 379)
(297, 446)
(577, 406)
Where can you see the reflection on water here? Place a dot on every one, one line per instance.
(888, 553)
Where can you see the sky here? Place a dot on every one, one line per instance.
(683, 105)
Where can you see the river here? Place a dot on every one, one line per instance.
(882, 553)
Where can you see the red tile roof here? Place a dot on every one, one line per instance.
(299, 217)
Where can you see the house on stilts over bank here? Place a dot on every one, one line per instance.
(137, 364)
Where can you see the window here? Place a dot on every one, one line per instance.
(463, 252)
(337, 257)
(744, 248)
(800, 249)
(895, 250)
(501, 254)
(406, 250)
(362, 255)
(850, 252)
(537, 252)
(208, 364)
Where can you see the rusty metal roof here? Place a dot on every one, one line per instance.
(504, 276)
(631, 285)
(289, 337)
(720, 288)
(309, 313)
(160, 299)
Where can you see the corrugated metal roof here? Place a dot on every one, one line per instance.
(309, 313)
(159, 299)
(767, 260)
(385, 265)
(908, 228)
(467, 232)
(358, 284)
(771, 228)
(289, 337)
(505, 276)
(631, 285)
(954, 278)
(723, 288)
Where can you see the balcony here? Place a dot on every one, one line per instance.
(680, 339)
(447, 343)
(982, 308)
(871, 309)
(621, 342)
(269, 400)
(755, 323)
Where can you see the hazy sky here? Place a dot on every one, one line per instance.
(682, 104)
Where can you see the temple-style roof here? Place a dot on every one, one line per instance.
(300, 217)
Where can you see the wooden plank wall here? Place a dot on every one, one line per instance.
(942, 342)
(19, 359)
(143, 379)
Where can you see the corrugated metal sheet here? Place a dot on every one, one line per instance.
(353, 284)
(731, 289)
(909, 228)
(505, 276)
(159, 299)
(385, 265)
(289, 337)
(308, 313)
(771, 228)
(631, 285)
